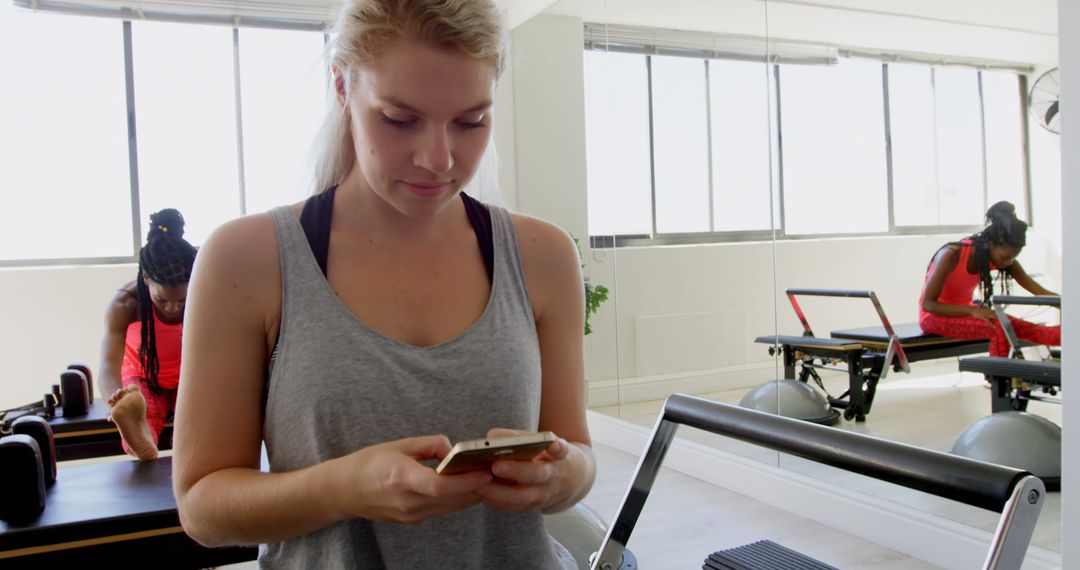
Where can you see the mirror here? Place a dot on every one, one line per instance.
(868, 136)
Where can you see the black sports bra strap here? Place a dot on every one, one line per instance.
(315, 219)
(480, 219)
(318, 210)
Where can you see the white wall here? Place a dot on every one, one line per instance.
(1069, 26)
(50, 318)
(549, 119)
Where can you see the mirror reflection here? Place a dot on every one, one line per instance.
(807, 193)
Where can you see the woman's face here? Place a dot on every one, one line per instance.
(1001, 255)
(421, 120)
(168, 300)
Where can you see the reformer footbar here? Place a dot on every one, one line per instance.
(867, 353)
(1016, 494)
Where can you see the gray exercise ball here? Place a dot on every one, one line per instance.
(791, 399)
(1016, 439)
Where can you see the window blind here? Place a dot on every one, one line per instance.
(295, 14)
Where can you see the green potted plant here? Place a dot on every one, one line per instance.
(594, 294)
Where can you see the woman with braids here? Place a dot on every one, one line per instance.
(357, 334)
(140, 354)
(947, 307)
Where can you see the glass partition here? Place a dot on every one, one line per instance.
(895, 149)
(734, 150)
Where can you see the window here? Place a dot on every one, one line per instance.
(739, 121)
(833, 148)
(82, 191)
(186, 123)
(914, 145)
(688, 146)
(617, 143)
(1002, 111)
(680, 144)
(695, 130)
(279, 70)
(959, 147)
(63, 138)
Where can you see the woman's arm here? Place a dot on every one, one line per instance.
(118, 315)
(233, 311)
(944, 262)
(553, 276)
(1025, 280)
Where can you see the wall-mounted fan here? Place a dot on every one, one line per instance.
(1044, 99)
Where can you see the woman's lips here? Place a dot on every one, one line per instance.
(426, 189)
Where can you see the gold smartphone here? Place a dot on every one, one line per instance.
(477, 454)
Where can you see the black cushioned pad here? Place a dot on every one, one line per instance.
(762, 555)
(92, 435)
(810, 341)
(95, 420)
(103, 499)
(908, 333)
(1037, 372)
(97, 514)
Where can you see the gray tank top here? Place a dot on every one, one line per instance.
(337, 386)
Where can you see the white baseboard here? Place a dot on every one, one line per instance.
(917, 534)
(646, 388)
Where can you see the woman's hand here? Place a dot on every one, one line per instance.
(984, 314)
(522, 486)
(387, 482)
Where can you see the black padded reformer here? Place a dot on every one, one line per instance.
(138, 521)
(1000, 372)
(867, 352)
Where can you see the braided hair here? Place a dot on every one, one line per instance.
(1003, 228)
(166, 259)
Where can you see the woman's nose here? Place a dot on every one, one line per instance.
(434, 153)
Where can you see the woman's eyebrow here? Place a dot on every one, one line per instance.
(481, 106)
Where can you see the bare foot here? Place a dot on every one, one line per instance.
(128, 412)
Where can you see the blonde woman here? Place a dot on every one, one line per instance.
(361, 332)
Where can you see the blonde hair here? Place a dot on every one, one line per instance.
(364, 27)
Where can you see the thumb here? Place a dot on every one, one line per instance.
(425, 446)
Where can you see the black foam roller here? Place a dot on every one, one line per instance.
(89, 379)
(39, 429)
(73, 394)
(22, 479)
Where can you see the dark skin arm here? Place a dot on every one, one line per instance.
(121, 311)
(1024, 280)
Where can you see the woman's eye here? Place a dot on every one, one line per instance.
(401, 123)
(477, 124)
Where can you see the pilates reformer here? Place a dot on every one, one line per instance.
(98, 514)
(92, 435)
(125, 510)
(1016, 494)
(867, 353)
(1010, 435)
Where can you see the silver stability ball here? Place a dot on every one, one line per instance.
(791, 399)
(1016, 439)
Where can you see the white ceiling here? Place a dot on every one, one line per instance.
(1014, 31)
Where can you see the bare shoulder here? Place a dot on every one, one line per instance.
(549, 259)
(948, 255)
(239, 261)
(123, 308)
(542, 241)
